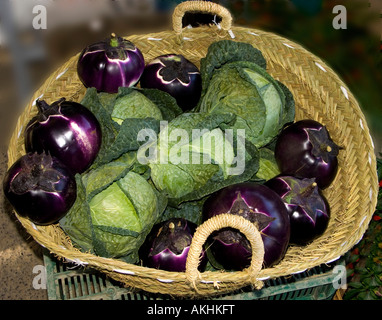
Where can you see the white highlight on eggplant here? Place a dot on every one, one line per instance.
(124, 271)
(320, 66)
(345, 92)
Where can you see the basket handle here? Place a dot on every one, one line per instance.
(200, 6)
(218, 222)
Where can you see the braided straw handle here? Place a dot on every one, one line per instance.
(216, 223)
(200, 6)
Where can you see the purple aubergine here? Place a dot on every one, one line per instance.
(308, 209)
(40, 188)
(167, 245)
(67, 130)
(230, 248)
(176, 75)
(305, 150)
(110, 64)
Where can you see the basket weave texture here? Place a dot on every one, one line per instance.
(319, 94)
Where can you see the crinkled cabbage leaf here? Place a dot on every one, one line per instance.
(235, 80)
(258, 101)
(196, 157)
(114, 211)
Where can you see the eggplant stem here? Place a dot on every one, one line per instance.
(309, 189)
(114, 40)
(42, 106)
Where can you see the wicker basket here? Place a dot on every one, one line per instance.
(319, 94)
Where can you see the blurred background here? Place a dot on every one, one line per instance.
(38, 36)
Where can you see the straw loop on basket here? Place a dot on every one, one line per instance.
(216, 223)
(200, 6)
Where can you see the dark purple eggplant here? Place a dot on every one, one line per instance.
(308, 209)
(305, 150)
(40, 188)
(175, 75)
(110, 64)
(68, 131)
(230, 249)
(167, 245)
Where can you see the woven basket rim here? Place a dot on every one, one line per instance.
(167, 282)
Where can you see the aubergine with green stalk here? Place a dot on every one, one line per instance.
(110, 64)
(66, 130)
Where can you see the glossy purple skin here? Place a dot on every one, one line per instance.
(305, 150)
(308, 209)
(40, 188)
(175, 75)
(68, 131)
(167, 248)
(236, 254)
(108, 65)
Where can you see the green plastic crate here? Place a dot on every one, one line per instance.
(66, 281)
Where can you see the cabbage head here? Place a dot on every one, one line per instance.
(235, 80)
(115, 210)
(259, 102)
(195, 156)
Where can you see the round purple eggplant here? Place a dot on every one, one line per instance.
(40, 188)
(110, 64)
(305, 150)
(229, 248)
(68, 131)
(167, 245)
(175, 75)
(308, 209)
